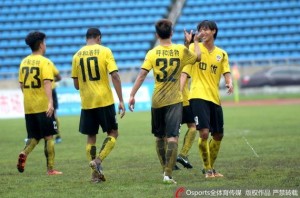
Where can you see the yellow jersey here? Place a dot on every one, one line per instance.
(207, 73)
(167, 63)
(92, 65)
(34, 69)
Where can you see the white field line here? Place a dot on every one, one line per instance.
(250, 146)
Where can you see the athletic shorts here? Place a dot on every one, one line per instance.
(166, 121)
(55, 100)
(91, 119)
(187, 115)
(38, 125)
(207, 115)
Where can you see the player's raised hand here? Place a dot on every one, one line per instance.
(188, 36)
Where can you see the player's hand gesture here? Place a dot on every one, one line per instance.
(131, 103)
(188, 36)
(229, 87)
(121, 109)
(50, 110)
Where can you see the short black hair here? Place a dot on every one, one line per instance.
(210, 25)
(163, 28)
(34, 39)
(93, 33)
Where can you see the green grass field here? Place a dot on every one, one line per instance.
(260, 151)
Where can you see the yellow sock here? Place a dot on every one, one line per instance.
(171, 155)
(188, 141)
(91, 151)
(204, 153)
(214, 147)
(30, 144)
(107, 146)
(49, 153)
(161, 152)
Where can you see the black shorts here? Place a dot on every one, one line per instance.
(55, 100)
(91, 119)
(187, 115)
(207, 115)
(166, 121)
(38, 125)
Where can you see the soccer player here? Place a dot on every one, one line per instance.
(57, 77)
(204, 94)
(35, 78)
(188, 118)
(166, 60)
(190, 135)
(91, 67)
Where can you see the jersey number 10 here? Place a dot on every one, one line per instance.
(89, 66)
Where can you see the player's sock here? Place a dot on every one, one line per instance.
(188, 141)
(171, 155)
(204, 153)
(214, 147)
(161, 151)
(107, 146)
(30, 144)
(49, 153)
(91, 151)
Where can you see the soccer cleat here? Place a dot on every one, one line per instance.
(54, 172)
(184, 161)
(21, 162)
(216, 174)
(208, 173)
(169, 180)
(96, 166)
(176, 167)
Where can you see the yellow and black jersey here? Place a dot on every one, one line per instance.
(167, 63)
(91, 65)
(34, 69)
(207, 73)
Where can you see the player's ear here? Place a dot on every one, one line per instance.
(157, 36)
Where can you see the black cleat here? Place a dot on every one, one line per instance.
(184, 161)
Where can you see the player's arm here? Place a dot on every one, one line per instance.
(57, 77)
(76, 83)
(48, 90)
(196, 45)
(137, 84)
(115, 78)
(183, 80)
(228, 82)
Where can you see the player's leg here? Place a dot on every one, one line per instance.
(108, 144)
(49, 129)
(55, 105)
(188, 141)
(217, 136)
(109, 124)
(32, 141)
(158, 125)
(201, 111)
(173, 116)
(161, 147)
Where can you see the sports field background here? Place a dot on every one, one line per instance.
(260, 151)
